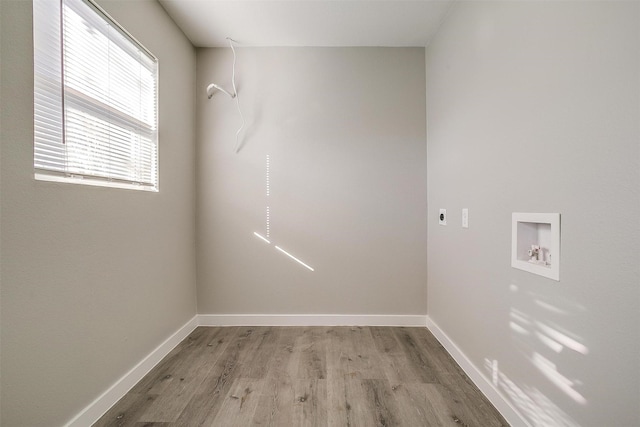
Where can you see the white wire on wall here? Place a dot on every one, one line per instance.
(233, 82)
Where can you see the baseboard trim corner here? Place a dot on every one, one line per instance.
(311, 320)
(106, 400)
(513, 417)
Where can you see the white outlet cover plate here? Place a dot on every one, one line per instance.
(465, 218)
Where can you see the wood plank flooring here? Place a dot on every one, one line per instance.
(305, 376)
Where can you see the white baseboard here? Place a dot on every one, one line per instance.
(310, 320)
(106, 400)
(503, 406)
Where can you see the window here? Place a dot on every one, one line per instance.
(95, 99)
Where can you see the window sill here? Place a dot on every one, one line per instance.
(93, 182)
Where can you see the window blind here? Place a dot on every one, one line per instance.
(95, 97)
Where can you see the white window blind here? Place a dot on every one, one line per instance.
(95, 98)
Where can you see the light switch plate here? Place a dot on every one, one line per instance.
(442, 217)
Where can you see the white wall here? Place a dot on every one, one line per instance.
(93, 279)
(345, 132)
(535, 107)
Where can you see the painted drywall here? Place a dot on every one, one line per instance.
(535, 107)
(93, 279)
(1, 49)
(344, 129)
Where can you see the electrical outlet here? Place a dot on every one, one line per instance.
(442, 218)
(465, 218)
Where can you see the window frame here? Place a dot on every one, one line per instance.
(94, 178)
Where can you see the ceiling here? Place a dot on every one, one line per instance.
(207, 23)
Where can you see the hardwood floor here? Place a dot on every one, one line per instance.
(305, 376)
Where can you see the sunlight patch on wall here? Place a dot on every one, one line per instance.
(299, 261)
(268, 218)
(562, 339)
(261, 237)
(532, 405)
(550, 307)
(293, 258)
(550, 371)
(535, 322)
(519, 322)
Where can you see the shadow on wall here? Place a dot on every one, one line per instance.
(535, 325)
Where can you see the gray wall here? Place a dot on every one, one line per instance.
(93, 279)
(1, 139)
(345, 132)
(535, 107)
